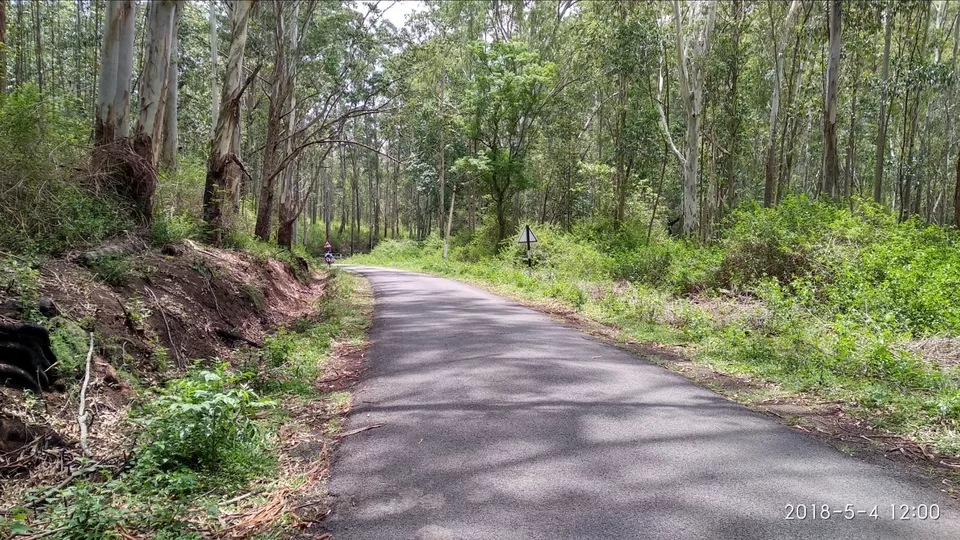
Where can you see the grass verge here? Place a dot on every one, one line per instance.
(236, 450)
(763, 350)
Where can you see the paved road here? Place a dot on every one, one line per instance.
(503, 424)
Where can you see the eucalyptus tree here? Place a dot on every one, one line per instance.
(693, 36)
(221, 194)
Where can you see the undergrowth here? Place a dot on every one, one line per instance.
(50, 202)
(810, 295)
(201, 438)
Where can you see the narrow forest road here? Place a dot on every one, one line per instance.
(503, 424)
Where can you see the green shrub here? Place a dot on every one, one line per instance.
(201, 423)
(257, 298)
(69, 343)
(277, 348)
(21, 279)
(180, 191)
(86, 512)
(168, 230)
(46, 207)
(116, 270)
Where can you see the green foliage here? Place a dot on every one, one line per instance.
(69, 343)
(19, 278)
(180, 192)
(85, 512)
(264, 251)
(46, 208)
(114, 269)
(168, 230)
(277, 348)
(256, 297)
(863, 265)
(834, 296)
(200, 423)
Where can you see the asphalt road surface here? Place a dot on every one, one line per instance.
(504, 424)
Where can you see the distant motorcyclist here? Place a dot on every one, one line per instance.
(328, 255)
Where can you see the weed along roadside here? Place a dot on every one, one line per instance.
(838, 323)
(215, 391)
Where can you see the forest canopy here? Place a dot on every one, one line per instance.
(306, 120)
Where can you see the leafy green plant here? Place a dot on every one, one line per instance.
(69, 343)
(116, 270)
(21, 279)
(86, 512)
(168, 230)
(278, 347)
(201, 423)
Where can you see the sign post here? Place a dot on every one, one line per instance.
(527, 237)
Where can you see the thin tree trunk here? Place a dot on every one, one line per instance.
(214, 68)
(171, 136)
(770, 171)
(731, 195)
(956, 196)
(271, 152)
(343, 192)
(882, 118)
(4, 46)
(850, 167)
(327, 203)
(446, 241)
(38, 45)
(831, 161)
(443, 150)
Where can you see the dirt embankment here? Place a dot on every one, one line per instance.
(152, 313)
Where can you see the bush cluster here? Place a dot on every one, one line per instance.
(47, 207)
(833, 296)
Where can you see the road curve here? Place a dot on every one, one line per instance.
(504, 424)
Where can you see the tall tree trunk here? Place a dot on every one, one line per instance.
(171, 133)
(271, 152)
(882, 118)
(850, 168)
(105, 123)
(771, 171)
(289, 192)
(153, 83)
(159, 42)
(731, 196)
(396, 192)
(4, 46)
(124, 59)
(443, 149)
(691, 86)
(956, 196)
(327, 203)
(831, 160)
(214, 66)
(790, 125)
(38, 44)
(343, 192)
(221, 193)
(950, 125)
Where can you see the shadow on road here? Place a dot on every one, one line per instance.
(502, 423)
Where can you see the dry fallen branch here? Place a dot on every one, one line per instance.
(173, 345)
(83, 416)
(355, 431)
